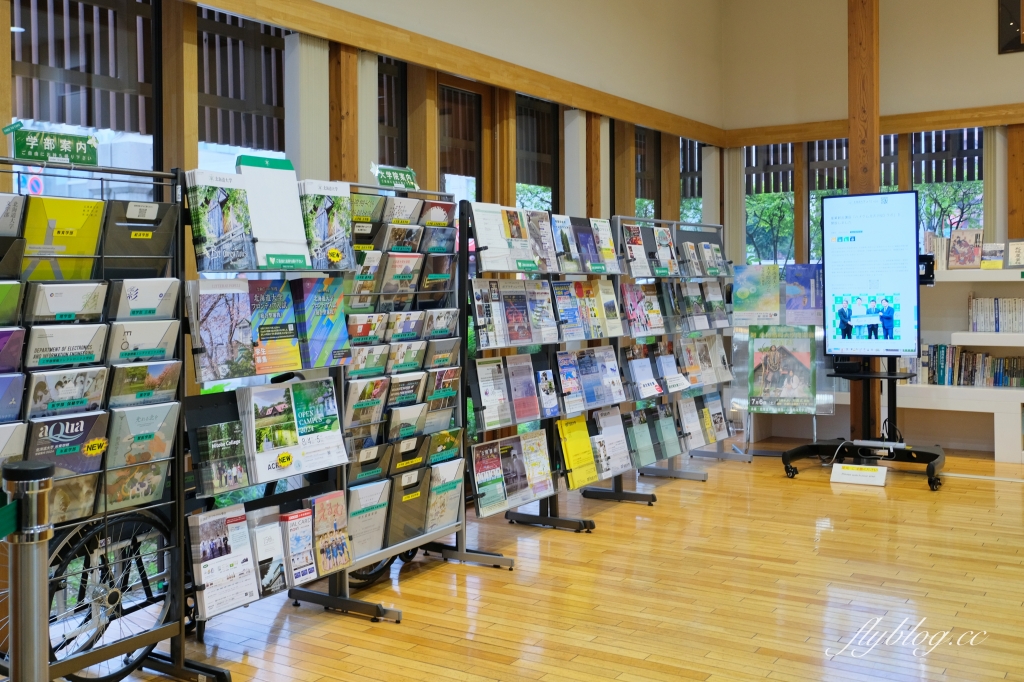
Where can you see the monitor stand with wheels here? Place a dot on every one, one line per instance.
(870, 449)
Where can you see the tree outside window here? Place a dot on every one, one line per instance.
(769, 204)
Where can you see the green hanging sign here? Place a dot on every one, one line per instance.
(36, 145)
(391, 176)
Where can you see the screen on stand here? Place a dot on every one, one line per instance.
(871, 274)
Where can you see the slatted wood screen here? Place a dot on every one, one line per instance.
(459, 130)
(769, 168)
(947, 155)
(691, 166)
(648, 164)
(392, 145)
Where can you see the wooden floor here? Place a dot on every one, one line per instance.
(747, 576)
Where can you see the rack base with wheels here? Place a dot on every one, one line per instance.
(671, 470)
(722, 451)
(547, 517)
(617, 494)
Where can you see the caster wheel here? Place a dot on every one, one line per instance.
(398, 622)
(576, 531)
(934, 483)
(588, 531)
(650, 504)
(791, 471)
(375, 620)
(295, 603)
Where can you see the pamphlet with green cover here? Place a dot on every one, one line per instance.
(66, 227)
(327, 216)
(275, 212)
(755, 297)
(323, 334)
(275, 339)
(10, 298)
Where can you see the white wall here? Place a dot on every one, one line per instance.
(663, 53)
(785, 62)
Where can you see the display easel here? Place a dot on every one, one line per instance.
(865, 451)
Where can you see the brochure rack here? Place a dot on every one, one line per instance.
(222, 407)
(677, 328)
(548, 508)
(110, 651)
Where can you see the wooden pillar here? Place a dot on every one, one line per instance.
(865, 153)
(1015, 181)
(624, 158)
(6, 102)
(904, 173)
(421, 107)
(670, 189)
(344, 118)
(865, 160)
(181, 121)
(593, 165)
(505, 147)
(801, 204)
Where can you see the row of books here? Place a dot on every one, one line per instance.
(411, 401)
(385, 282)
(122, 453)
(995, 314)
(263, 217)
(669, 307)
(65, 345)
(402, 356)
(53, 393)
(512, 239)
(242, 556)
(130, 299)
(947, 365)
(137, 237)
(965, 249)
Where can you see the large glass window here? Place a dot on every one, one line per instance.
(86, 69)
(691, 167)
(648, 173)
(461, 150)
(392, 145)
(536, 154)
(946, 167)
(241, 89)
(769, 203)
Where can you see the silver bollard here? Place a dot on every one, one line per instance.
(28, 485)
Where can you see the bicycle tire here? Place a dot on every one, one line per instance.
(101, 592)
(362, 578)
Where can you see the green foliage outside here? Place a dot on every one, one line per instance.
(533, 197)
(644, 208)
(770, 228)
(945, 206)
(814, 219)
(691, 210)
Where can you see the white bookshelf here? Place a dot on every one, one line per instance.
(978, 276)
(1003, 403)
(991, 339)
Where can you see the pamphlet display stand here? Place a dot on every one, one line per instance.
(108, 646)
(222, 407)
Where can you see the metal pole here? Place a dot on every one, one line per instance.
(28, 485)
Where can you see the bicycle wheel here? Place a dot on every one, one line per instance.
(110, 586)
(62, 541)
(368, 575)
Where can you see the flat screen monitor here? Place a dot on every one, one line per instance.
(871, 275)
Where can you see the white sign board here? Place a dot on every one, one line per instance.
(858, 474)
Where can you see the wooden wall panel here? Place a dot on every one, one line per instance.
(624, 158)
(344, 107)
(181, 121)
(801, 204)
(670, 189)
(421, 105)
(1015, 181)
(904, 178)
(593, 165)
(864, 132)
(505, 146)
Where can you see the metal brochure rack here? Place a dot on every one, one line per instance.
(548, 508)
(164, 590)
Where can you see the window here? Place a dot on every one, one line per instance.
(648, 173)
(86, 69)
(392, 145)
(769, 203)
(691, 167)
(946, 167)
(536, 154)
(241, 89)
(461, 149)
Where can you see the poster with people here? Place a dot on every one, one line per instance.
(781, 374)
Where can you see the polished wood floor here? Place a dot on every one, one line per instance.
(747, 576)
